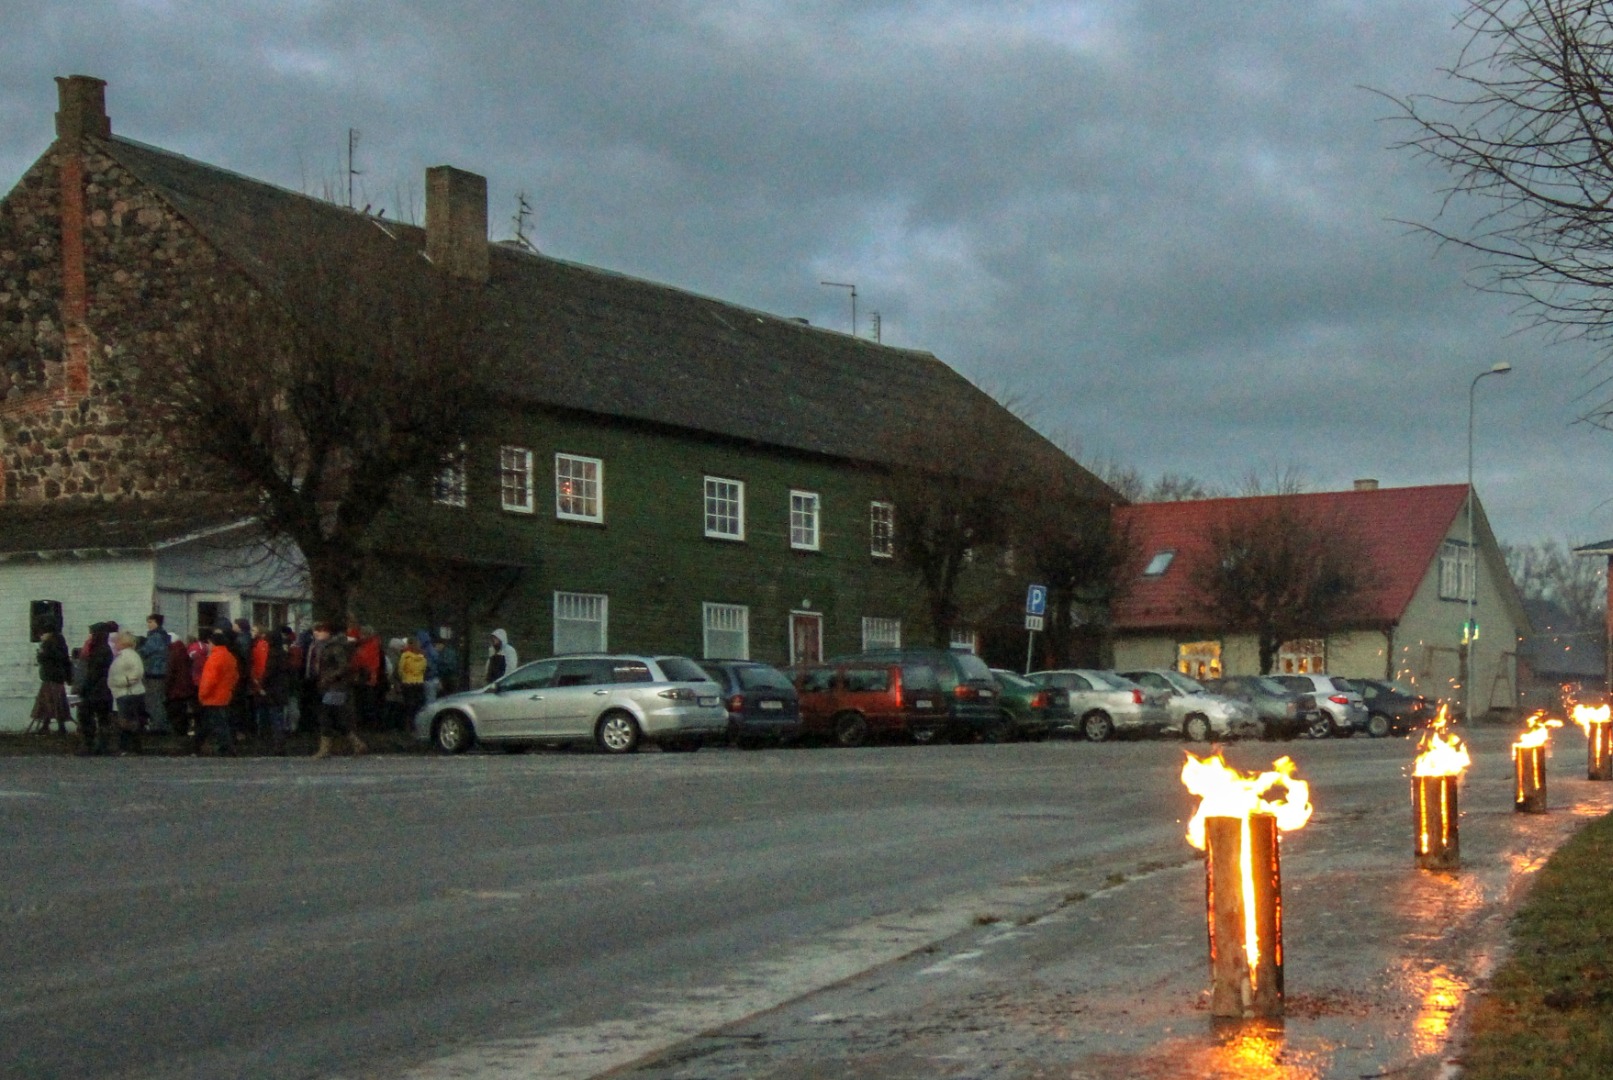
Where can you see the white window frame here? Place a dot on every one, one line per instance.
(593, 488)
(515, 477)
(448, 485)
(724, 619)
(965, 640)
(806, 509)
(882, 529)
(575, 607)
(1458, 571)
(722, 493)
(881, 633)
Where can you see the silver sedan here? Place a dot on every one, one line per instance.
(1196, 712)
(1104, 703)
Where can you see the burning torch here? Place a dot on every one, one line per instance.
(1236, 826)
(1598, 745)
(1529, 765)
(1434, 780)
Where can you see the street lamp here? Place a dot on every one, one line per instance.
(1469, 631)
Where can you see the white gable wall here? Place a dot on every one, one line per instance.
(90, 590)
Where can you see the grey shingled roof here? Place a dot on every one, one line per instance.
(586, 339)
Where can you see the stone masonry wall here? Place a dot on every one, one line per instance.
(89, 287)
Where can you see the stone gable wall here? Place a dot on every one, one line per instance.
(91, 287)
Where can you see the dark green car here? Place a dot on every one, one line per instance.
(1028, 710)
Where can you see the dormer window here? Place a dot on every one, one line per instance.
(1160, 563)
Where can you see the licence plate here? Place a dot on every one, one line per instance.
(922, 704)
(772, 704)
(708, 699)
(988, 693)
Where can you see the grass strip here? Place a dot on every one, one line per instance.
(1548, 1014)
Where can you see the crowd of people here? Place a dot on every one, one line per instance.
(236, 685)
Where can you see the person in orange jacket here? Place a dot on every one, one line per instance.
(220, 673)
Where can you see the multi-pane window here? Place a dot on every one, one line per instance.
(1457, 571)
(271, 614)
(580, 622)
(881, 633)
(579, 488)
(882, 529)
(448, 486)
(725, 508)
(804, 520)
(1302, 656)
(515, 479)
(727, 631)
(965, 640)
(1199, 659)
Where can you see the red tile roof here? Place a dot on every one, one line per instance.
(1401, 529)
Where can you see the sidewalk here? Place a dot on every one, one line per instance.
(1380, 961)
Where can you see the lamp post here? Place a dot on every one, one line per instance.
(1471, 592)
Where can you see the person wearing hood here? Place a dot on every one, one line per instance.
(500, 658)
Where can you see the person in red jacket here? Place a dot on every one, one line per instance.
(216, 690)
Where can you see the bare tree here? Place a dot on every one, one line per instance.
(1528, 134)
(1281, 573)
(1549, 570)
(313, 394)
(1072, 545)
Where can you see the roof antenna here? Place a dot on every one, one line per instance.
(853, 288)
(352, 147)
(523, 214)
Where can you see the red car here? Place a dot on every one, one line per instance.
(851, 702)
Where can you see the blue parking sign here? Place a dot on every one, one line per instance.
(1036, 600)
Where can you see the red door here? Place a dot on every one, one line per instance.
(806, 638)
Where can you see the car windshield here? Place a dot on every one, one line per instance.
(1110, 681)
(762, 677)
(681, 669)
(1272, 686)
(1183, 683)
(973, 668)
(1009, 679)
(1344, 686)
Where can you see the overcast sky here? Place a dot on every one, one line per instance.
(1168, 225)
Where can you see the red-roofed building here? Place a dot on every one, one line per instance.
(1406, 626)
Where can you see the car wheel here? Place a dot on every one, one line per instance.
(1321, 727)
(851, 729)
(1000, 730)
(454, 733)
(1097, 727)
(617, 733)
(1378, 725)
(1196, 728)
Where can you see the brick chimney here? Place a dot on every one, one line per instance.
(456, 222)
(81, 108)
(1366, 485)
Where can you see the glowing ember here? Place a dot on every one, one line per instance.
(1586, 715)
(1536, 732)
(1226, 793)
(1442, 751)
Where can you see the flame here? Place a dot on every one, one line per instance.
(1536, 733)
(1442, 751)
(1225, 792)
(1586, 715)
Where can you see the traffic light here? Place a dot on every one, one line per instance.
(1470, 631)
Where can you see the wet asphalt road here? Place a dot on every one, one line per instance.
(557, 914)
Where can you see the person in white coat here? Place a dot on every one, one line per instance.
(501, 658)
(126, 679)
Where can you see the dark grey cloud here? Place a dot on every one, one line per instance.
(1170, 225)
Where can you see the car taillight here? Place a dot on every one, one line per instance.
(1039, 699)
(679, 693)
(1136, 697)
(964, 690)
(736, 703)
(1339, 699)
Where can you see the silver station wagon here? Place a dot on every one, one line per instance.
(614, 701)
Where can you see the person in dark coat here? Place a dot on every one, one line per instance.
(94, 694)
(55, 672)
(180, 688)
(337, 676)
(270, 689)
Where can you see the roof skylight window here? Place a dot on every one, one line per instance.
(1160, 563)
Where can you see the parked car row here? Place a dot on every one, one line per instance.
(618, 702)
